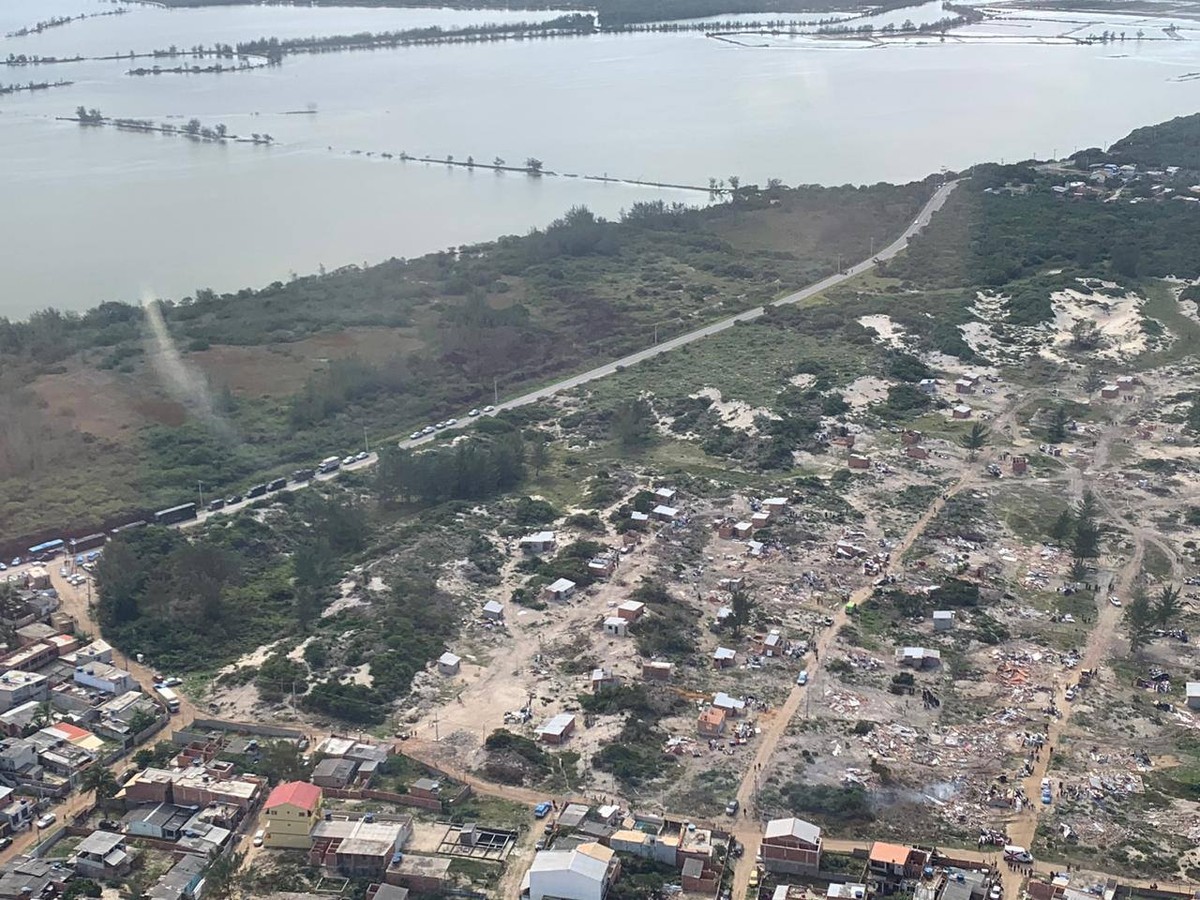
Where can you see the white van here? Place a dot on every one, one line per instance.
(259, 836)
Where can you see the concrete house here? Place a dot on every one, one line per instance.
(103, 855)
(449, 664)
(711, 723)
(494, 611)
(964, 386)
(562, 589)
(742, 530)
(585, 873)
(665, 494)
(774, 506)
(656, 671)
(918, 657)
(334, 773)
(1020, 465)
(539, 542)
(894, 862)
(17, 688)
(723, 658)
(927, 386)
(962, 411)
(558, 729)
(791, 846)
(943, 620)
(615, 626)
(105, 677)
(910, 438)
(664, 513)
(858, 461)
(290, 812)
(916, 452)
(1110, 392)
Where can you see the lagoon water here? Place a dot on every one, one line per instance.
(95, 214)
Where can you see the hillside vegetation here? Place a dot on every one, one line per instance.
(99, 425)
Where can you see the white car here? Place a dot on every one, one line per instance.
(173, 682)
(440, 425)
(489, 408)
(473, 413)
(258, 837)
(429, 429)
(415, 436)
(802, 678)
(362, 455)
(995, 892)
(348, 460)
(1114, 601)
(451, 422)
(46, 821)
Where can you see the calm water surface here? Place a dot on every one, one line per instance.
(96, 214)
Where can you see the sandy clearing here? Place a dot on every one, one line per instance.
(862, 392)
(889, 332)
(735, 413)
(1119, 320)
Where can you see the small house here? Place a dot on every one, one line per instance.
(723, 658)
(843, 440)
(562, 589)
(916, 452)
(1126, 382)
(964, 386)
(602, 679)
(656, 671)
(858, 461)
(664, 494)
(774, 505)
(760, 520)
(425, 789)
(334, 772)
(493, 610)
(639, 517)
(742, 530)
(449, 664)
(962, 411)
(539, 542)
(711, 723)
(697, 877)
(731, 706)
(602, 566)
(1020, 465)
(791, 846)
(724, 528)
(1110, 392)
(910, 438)
(918, 658)
(557, 729)
(943, 619)
(615, 626)
(631, 610)
(773, 644)
(103, 855)
(928, 386)
(665, 513)
(1193, 694)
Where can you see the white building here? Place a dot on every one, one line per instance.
(105, 677)
(584, 873)
(616, 626)
(448, 663)
(539, 542)
(18, 687)
(561, 589)
(493, 610)
(1193, 694)
(943, 619)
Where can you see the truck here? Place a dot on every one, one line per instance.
(1013, 853)
(302, 475)
(277, 484)
(256, 490)
(169, 697)
(180, 513)
(329, 464)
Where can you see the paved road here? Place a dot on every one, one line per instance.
(895, 247)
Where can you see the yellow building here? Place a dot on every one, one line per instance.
(290, 813)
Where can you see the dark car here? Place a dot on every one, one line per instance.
(216, 504)
(235, 498)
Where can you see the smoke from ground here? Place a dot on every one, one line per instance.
(185, 385)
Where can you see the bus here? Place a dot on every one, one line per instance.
(50, 548)
(175, 514)
(330, 464)
(168, 696)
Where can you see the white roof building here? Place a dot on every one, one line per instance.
(580, 874)
(793, 828)
(722, 700)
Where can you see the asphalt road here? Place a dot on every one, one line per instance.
(923, 217)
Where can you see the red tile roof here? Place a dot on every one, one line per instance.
(294, 793)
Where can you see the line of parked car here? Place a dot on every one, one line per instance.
(449, 423)
(298, 477)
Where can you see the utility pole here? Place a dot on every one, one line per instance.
(656, 334)
(366, 443)
(495, 389)
(200, 490)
